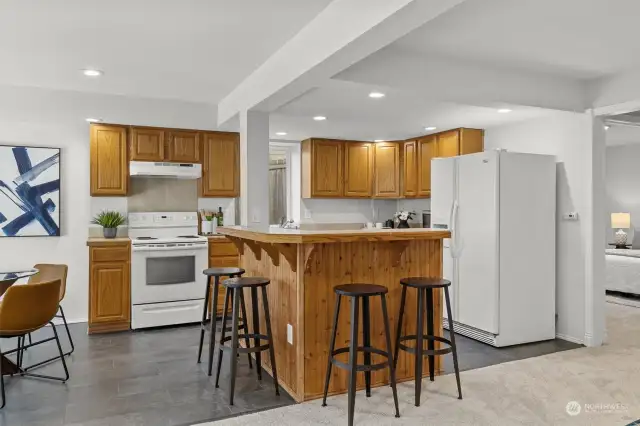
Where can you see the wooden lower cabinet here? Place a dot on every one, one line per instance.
(109, 287)
(222, 254)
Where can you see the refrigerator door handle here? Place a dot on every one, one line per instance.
(455, 252)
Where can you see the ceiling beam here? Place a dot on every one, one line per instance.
(461, 81)
(345, 32)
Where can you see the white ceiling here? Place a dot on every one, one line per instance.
(399, 115)
(575, 38)
(192, 50)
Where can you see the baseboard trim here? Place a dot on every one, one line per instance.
(569, 338)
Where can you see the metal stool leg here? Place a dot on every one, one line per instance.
(272, 353)
(392, 370)
(204, 319)
(245, 327)
(353, 357)
(419, 348)
(452, 335)
(332, 347)
(234, 343)
(403, 299)
(223, 334)
(430, 343)
(366, 334)
(256, 329)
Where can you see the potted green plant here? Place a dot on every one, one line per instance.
(109, 220)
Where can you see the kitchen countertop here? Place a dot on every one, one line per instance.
(101, 241)
(297, 236)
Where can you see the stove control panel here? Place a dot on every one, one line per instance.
(163, 219)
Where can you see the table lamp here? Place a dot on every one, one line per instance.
(620, 221)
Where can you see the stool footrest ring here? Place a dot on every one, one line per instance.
(252, 349)
(426, 352)
(360, 367)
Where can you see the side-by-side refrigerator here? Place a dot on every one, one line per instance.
(501, 209)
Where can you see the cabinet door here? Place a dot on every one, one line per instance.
(108, 160)
(220, 166)
(410, 169)
(358, 169)
(183, 147)
(326, 168)
(386, 170)
(471, 141)
(222, 262)
(427, 149)
(449, 144)
(109, 292)
(147, 144)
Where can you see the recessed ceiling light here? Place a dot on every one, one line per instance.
(319, 118)
(430, 128)
(92, 73)
(504, 110)
(376, 95)
(607, 127)
(379, 140)
(94, 120)
(281, 133)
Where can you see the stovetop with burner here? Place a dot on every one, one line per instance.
(171, 229)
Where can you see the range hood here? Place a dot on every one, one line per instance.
(165, 170)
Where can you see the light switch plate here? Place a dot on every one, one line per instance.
(290, 334)
(255, 217)
(307, 214)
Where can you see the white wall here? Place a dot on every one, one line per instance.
(623, 186)
(32, 116)
(347, 210)
(566, 135)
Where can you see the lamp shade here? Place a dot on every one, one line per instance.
(620, 220)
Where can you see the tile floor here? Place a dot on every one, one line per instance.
(152, 378)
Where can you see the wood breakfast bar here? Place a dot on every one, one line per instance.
(304, 266)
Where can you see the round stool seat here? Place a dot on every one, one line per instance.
(220, 272)
(425, 282)
(360, 289)
(244, 282)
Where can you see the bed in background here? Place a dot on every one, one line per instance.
(623, 271)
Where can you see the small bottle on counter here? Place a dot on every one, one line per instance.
(220, 217)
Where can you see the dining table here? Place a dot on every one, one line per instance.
(7, 279)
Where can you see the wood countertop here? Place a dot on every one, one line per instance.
(297, 236)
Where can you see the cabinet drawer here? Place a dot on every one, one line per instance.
(222, 248)
(110, 254)
(224, 262)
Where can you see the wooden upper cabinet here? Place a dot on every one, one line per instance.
(471, 141)
(427, 150)
(410, 169)
(146, 144)
(358, 169)
(449, 143)
(220, 165)
(322, 168)
(108, 160)
(386, 160)
(182, 146)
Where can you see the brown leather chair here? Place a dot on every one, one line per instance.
(23, 310)
(50, 272)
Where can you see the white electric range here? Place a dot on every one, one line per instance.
(167, 260)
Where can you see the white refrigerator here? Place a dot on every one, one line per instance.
(501, 209)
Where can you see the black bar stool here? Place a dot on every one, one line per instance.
(425, 288)
(234, 293)
(357, 292)
(207, 323)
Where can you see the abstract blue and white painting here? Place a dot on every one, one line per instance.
(29, 191)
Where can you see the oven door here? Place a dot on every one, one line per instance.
(168, 275)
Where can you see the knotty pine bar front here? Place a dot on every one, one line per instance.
(304, 266)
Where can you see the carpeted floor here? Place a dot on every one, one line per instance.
(604, 382)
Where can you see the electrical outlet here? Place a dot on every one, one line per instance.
(307, 214)
(255, 217)
(290, 334)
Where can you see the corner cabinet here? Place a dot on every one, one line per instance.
(109, 286)
(108, 161)
(220, 165)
